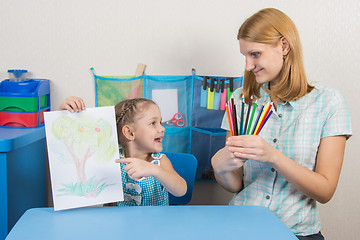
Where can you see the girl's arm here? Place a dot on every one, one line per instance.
(165, 173)
(319, 184)
(228, 169)
(169, 178)
(72, 104)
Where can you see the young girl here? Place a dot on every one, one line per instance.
(147, 175)
(296, 160)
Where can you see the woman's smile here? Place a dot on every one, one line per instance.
(257, 72)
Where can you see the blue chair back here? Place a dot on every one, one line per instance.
(185, 165)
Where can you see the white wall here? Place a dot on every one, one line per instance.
(61, 40)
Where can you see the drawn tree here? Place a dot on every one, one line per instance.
(83, 137)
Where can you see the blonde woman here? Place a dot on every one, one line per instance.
(296, 160)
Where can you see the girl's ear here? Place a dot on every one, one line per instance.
(285, 46)
(128, 132)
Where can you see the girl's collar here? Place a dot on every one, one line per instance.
(122, 155)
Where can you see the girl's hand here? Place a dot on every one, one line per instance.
(138, 168)
(252, 147)
(226, 161)
(72, 104)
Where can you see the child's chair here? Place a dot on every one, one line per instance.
(185, 165)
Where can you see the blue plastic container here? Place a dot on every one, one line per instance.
(17, 75)
(24, 98)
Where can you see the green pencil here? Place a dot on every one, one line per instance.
(252, 117)
(247, 115)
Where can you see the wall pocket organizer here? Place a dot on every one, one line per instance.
(192, 109)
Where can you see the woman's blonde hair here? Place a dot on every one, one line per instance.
(127, 112)
(269, 26)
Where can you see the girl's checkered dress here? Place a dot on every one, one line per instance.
(146, 191)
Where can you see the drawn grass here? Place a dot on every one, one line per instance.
(90, 188)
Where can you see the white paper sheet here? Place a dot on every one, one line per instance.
(82, 148)
(167, 100)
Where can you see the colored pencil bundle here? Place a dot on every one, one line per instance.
(244, 128)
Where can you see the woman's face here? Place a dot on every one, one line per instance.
(264, 60)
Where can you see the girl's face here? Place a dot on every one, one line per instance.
(149, 132)
(264, 60)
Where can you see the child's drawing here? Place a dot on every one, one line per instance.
(82, 149)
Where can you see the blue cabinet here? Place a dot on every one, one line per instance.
(22, 173)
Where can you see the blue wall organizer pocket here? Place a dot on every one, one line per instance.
(205, 143)
(199, 99)
(209, 101)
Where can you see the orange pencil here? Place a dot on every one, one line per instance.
(229, 119)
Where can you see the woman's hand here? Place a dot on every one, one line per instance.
(252, 147)
(138, 168)
(72, 104)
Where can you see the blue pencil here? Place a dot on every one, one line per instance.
(268, 116)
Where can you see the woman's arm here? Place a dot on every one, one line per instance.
(228, 169)
(319, 184)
